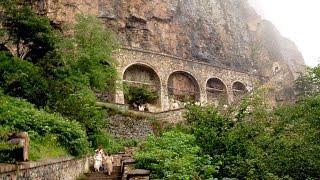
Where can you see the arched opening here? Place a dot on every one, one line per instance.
(216, 92)
(142, 87)
(183, 87)
(239, 90)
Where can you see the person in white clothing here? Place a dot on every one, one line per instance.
(98, 157)
(141, 108)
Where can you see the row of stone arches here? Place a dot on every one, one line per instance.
(181, 86)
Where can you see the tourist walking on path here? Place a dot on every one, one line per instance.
(98, 157)
(108, 164)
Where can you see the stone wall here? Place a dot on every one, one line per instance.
(226, 36)
(63, 168)
(165, 65)
(137, 125)
(132, 127)
(172, 116)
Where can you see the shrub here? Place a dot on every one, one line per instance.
(208, 126)
(139, 95)
(19, 115)
(174, 155)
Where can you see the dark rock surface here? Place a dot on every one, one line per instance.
(227, 33)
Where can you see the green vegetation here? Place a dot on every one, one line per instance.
(32, 35)
(48, 89)
(19, 115)
(46, 147)
(58, 74)
(174, 155)
(111, 144)
(247, 141)
(309, 84)
(139, 95)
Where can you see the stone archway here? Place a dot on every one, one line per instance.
(143, 76)
(183, 87)
(216, 92)
(239, 90)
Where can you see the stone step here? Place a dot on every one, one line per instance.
(115, 169)
(116, 175)
(98, 174)
(102, 176)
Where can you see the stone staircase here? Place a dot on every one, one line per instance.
(122, 170)
(116, 175)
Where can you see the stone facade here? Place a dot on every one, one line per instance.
(164, 65)
(225, 37)
(63, 168)
(226, 33)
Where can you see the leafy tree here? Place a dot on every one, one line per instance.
(88, 66)
(260, 143)
(174, 155)
(59, 72)
(309, 84)
(208, 128)
(32, 35)
(23, 79)
(89, 52)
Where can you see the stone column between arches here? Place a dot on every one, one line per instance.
(164, 66)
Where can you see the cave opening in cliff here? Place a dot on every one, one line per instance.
(216, 92)
(239, 90)
(141, 76)
(183, 87)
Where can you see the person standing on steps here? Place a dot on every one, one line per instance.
(108, 164)
(98, 157)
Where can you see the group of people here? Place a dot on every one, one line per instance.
(143, 107)
(103, 161)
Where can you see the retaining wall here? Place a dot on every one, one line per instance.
(62, 168)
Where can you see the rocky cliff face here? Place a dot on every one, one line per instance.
(222, 32)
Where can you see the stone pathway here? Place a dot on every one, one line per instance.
(122, 169)
(116, 175)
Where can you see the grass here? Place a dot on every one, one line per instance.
(45, 148)
(112, 144)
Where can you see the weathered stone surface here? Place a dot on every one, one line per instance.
(63, 168)
(221, 32)
(138, 174)
(129, 127)
(165, 65)
(224, 33)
